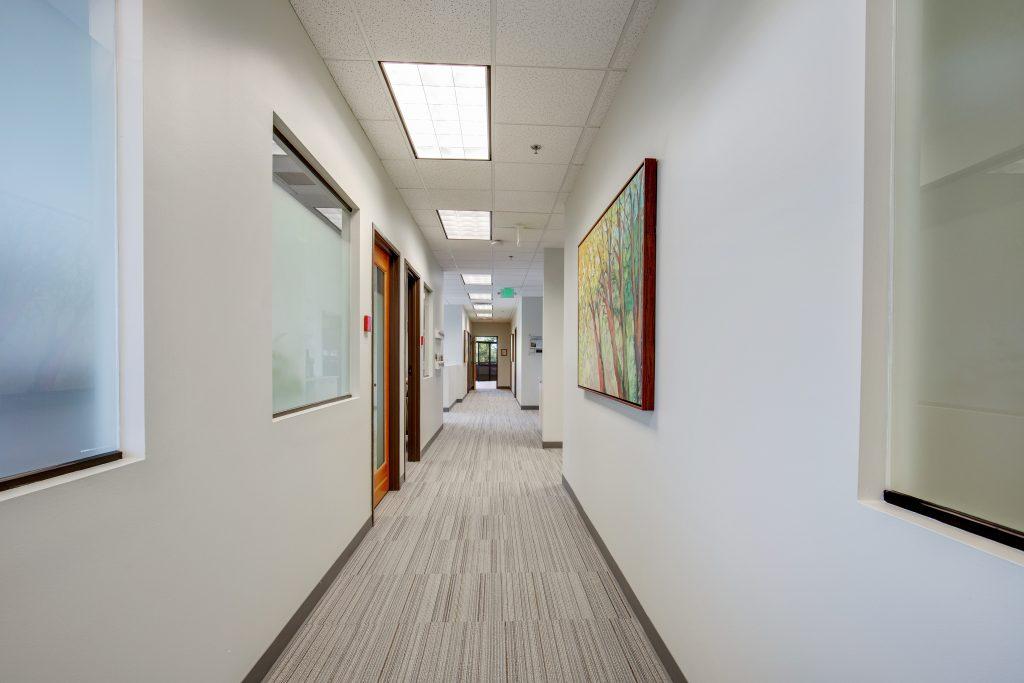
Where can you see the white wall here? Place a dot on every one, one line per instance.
(732, 508)
(553, 359)
(529, 320)
(456, 324)
(432, 386)
(186, 565)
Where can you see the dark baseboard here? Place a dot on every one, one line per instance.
(551, 444)
(403, 478)
(446, 410)
(667, 660)
(508, 387)
(459, 400)
(262, 667)
(529, 407)
(429, 443)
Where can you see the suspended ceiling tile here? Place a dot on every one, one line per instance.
(536, 177)
(388, 139)
(554, 97)
(586, 140)
(426, 218)
(448, 31)
(417, 200)
(612, 79)
(363, 89)
(557, 222)
(570, 177)
(507, 219)
(633, 32)
(333, 28)
(512, 143)
(560, 204)
(558, 33)
(403, 173)
(514, 200)
(553, 238)
(509, 235)
(465, 200)
(455, 174)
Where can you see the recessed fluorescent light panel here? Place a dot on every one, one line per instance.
(480, 296)
(471, 279)
(444, 108)
(483, 315)
(465, 225)
(483, 307)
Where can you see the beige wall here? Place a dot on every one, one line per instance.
(503, 331)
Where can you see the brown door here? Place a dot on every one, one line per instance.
(381, 373)
(470, 372)
(412, 378)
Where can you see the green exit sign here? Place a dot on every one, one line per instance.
(507, 293)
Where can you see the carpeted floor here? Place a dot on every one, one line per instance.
(479, 569)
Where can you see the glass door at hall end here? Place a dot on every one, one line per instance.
(487, 359)
(381, 372)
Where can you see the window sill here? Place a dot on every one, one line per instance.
(50, 482)
(314, 408)
(985, 545)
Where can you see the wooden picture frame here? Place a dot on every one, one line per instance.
(615, 286)
(504, 352)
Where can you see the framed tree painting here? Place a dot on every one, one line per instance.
(615, 287)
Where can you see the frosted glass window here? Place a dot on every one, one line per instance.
(957, 422)
(58, 267)
(311, 276)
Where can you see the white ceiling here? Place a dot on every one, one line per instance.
(555, 67)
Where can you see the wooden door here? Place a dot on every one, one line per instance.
(381, 373)
(470, 371)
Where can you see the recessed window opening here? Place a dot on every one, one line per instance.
(59, 376)
(957, 339)
(311, 285)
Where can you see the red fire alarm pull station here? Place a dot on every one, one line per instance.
(367, 323)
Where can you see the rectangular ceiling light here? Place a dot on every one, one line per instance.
(483, 307)
(483, 315)
(471, 279)
(465, 225)
(480, 296)
(444, 108)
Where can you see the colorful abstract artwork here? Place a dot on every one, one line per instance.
(616, 259)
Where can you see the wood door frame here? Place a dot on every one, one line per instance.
(512, 362)
(470, 362)
(393, 362)
(413, 325)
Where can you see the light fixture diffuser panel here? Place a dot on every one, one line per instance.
(480, 296)
(483, 307)
(476, 279)
(444, 108)
(465, 225)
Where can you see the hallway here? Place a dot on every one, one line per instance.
(480, 568)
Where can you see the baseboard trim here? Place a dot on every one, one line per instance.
(509, 387)
(446, 410)
(423, 451)
(265, 663)
(459, 400)
(667, 660)
(529, 407)
(551, 444)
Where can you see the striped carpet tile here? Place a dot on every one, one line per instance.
(479, 569)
